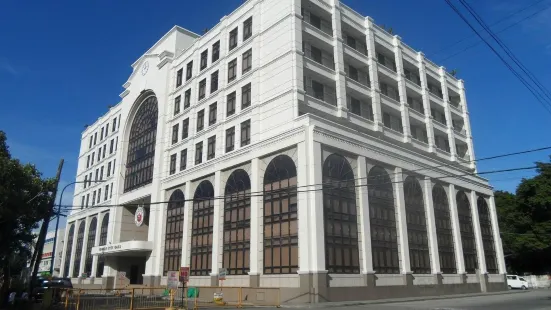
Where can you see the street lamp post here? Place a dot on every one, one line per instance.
(58, 215)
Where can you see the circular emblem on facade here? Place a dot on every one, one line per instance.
(145, 67)
(139, 217)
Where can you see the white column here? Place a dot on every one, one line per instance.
(96, 243)
(73, 251)
(467, 122)
(402, 221)
(426, 101)
(340, 78)
(64, 251)
(365, 225)
(315, 207)
(303, 206)
(217, 225)
(477, 234)
(186, 234)
(431, 226)
(84, 246)
(256, 242)
(448, 113)
(459, 259)
(374, 75)
(497, 237)
(404, 107)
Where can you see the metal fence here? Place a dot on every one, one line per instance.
(162, 298)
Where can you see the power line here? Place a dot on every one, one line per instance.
(515, 73)
(292, 191)
(496, 23)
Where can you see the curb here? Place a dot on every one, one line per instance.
(394, 300)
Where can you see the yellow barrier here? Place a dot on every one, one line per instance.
(162, 299)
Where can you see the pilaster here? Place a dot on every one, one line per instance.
(467, 123)
(497, 238)
(447, 111)
(454, 217)
(217, 226)
(404, 107)
(431, 226)
(64, 251)
(303, 209)
(256, 244)
(338, 50)
(426, 101)
(315, 206)
(477, 234)
(186, 233)
(405, 265)
(374, 75)
(365, 226)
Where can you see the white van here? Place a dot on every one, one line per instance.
(517, 282)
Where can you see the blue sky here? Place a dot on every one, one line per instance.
(63, 62)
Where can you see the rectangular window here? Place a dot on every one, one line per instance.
(198, 153)
(179, 77)
(185, 128)
(116, 143)
(94, 198)
(177, 104)
(211, 147)
(111, 146)
(172, 164)
(87, 161)
(215, 51)
(82, 201)
(114, 124)
(101, 173)
(247, 63)
(353, 73)
(232, 70)
(212, 113)
(230, 104)
(355, 106)
(108, 169)
(246, 96)
(99, 195)
(95, 138)
(183, 159)
(246, 133)
(93, 156)
(200, 120)
(350, 41)
(189, 70)
(247, 28)
(214, 82)
(85, 181)
(91, 141)
(204, 57)
(99, 154)
(202, 89)
(111, 191)
(175, 130)
(106, 192)
(233, 38)
(187, 98)
(230, 139)
(104, 150)
(101, 134)
(318, 89)
(87, 199)
(114, 160)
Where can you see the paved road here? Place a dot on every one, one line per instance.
(531, 300)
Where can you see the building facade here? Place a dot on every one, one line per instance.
(48, 254)
(296, 144)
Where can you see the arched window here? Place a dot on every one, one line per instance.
(174, 230)
(340, 216)
(68, 251)
(444, 230)
(382, 216)
(201, 229)
(487, 236)
(89, 245)
(141, 145)
(280, 217)
(418, 241)
(78, 249)
(237, 223)
(467, 232)
(102, 241)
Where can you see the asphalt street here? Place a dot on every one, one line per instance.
(531, 300)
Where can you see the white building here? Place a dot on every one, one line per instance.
(297, 144)
(47, 252)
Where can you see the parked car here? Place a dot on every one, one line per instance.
(516, 282)
(57, 283)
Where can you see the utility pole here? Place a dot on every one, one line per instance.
(44, 228)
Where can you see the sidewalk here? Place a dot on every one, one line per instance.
(392, 300)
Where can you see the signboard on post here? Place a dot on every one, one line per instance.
(172, 280)
(184, 274)
(222, 274)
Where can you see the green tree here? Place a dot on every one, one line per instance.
(525, 223)
(23, 204)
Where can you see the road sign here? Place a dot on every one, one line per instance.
(172, 280)
(184, 274)
(222, 272)
(122, 275)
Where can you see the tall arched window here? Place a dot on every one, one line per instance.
(382, 216)
(487, 236)
(237, 223)
(444, 230)
(467, 232)
(174, 230)
(141, 145)
(418, 241)
(102, 241)
(340, 217)
(69, 250)
(78, 249)
(280, 217)
(201, 229)
(90, 245)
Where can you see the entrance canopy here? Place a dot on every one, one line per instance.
(128, 248)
